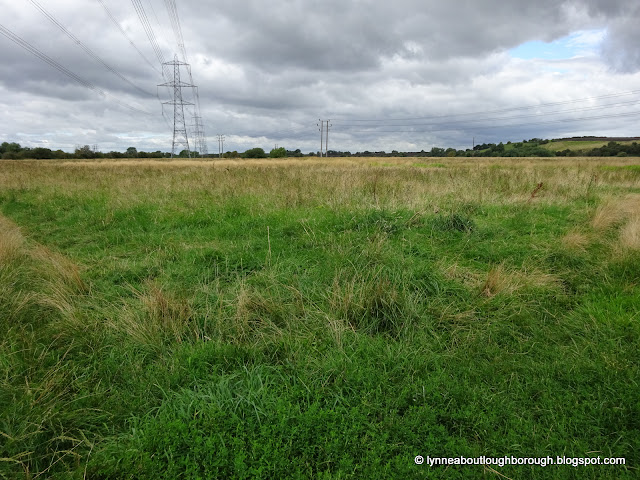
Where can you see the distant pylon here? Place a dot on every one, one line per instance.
(220, 145)
(179, 127)
(198, 133)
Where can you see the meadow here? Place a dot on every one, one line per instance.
(318, 318)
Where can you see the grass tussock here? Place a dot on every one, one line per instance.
(616, 211)
(576, 240)
(11, 241)
(502, 280)
(630, 233)
(256, 312)
(371, 303)
(155, 319)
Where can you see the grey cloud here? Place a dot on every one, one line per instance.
(621, 45)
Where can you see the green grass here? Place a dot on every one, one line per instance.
(331, 320)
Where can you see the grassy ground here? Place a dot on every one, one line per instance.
(318, 319)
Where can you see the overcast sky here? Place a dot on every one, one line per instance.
(405, 75)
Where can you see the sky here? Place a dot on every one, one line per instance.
(406, 75)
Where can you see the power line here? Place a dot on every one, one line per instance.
(85, 83)
(172, 10)
(87, 50)
(566, 120)
(146, 25)
(488, 119)
(160, 26)
(117, 24)
(504, 110)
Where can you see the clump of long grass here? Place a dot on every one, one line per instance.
(371, 303)
(576, 240)
(503, 280)
(154, 319)
(615, 211)
(256, 312)
(630, 233)
(11, 241)
(622, 213)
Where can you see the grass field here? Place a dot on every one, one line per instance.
(559, 145)
(318, 318)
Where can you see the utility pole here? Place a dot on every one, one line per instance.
(326, 144)
(179, 126)
(321, 125)
(324, 136)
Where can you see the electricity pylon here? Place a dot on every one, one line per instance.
(198, 136)
(179, 127)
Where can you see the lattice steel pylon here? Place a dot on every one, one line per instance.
(179, 126)
(198, 133)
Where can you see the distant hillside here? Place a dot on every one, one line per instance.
(586, 143)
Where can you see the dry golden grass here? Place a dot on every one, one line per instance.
(630, 233)
(11, 240)
(501, 280)
(466, 276)
(418, 183)
(616, 211)
(576, 240)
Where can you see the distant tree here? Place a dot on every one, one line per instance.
(294, 153)
(13, 147)
(132, 152)
(255, 153)
(498, 148)
(278, 153)
(84, 152)
(41, 152)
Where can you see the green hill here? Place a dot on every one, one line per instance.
(571, 144)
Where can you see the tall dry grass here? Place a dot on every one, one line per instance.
(616, 211)
(349, 182)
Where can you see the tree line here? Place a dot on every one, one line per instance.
(14, 151)
(526, 148)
